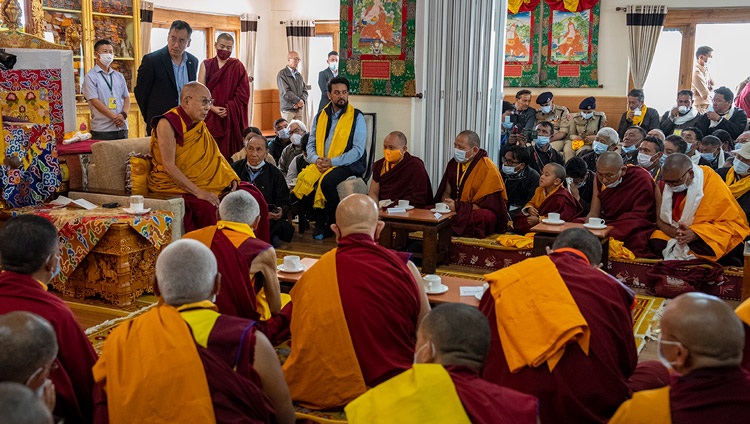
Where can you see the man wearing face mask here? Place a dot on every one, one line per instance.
(710, 152)
(297, 129)
(697, 216)
(520, 179)
(107, 93)
(683, 115)
(29, 255)
(650, 154)
(630, 142)
(541, 151)
(558, 115)
(326, 75)
(473, 188)
(638, 113)
(584, 179)
(399, 175)
(722, 114)
(606, 141)
(702, 84)
(701, 341)
(227, 79)
(736, 177)
(583, 128)
(277, 144)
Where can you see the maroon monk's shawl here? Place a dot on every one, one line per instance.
(407, 180)
(230, 88)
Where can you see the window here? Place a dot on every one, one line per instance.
(663, 78)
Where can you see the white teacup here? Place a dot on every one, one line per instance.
(292, 262)
(136, 203)
(553, 216)
(403, 203)
(442, 207)
(433, 282)
(597, 222)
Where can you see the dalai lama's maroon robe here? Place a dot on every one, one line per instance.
(407, 180)
(581, 389)
(631, 209)
(230, 88)
(711, 395)
(381, 304)
(561, 201)
(73, 379)
(488, 403)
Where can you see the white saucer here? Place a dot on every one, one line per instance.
(547, 221)
(140, 212)
(441, 290)
(408, 208)
(594, 227)
(437, 211)
(479, 296)
(301, 268)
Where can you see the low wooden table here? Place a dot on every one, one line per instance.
(453, 295)
(436, 234)
(545, 234)
(292, 277)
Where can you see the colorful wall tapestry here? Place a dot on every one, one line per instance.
(37, 175)
(377, 46)
(522, 49)
(34, 95)
(570, 45)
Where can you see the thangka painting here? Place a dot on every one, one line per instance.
(522, 49)
(570, 48)
(377, 46)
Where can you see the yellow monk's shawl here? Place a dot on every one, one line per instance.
(739, 187)
(310, 175)
(423, 394)
(322, 370)
(540, 195)
(536, 314)
(164, 380)
(198, 157)
(484, 179)
(743, 311)
(646, 407)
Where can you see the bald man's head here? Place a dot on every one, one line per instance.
(29, 344)
(195, 100)
(583, 240)
(19, 405)
(677, 162)
(397, 138)
(357, 214)
(610, 160)
(460, 334)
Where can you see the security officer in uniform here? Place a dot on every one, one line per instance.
(583, 128)
(559, 116)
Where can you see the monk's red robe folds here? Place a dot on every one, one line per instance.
(631, 209)
(560, 201)
(407, 180)
(581, 388)
(230, 88)
(72, 379)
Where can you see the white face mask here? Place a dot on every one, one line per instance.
(459, 155)
(683, 109)
(333, 66)
(680, 188)
(283, 133)
(106, 58)
(662, 359)
(645, 160)
(296, 139)
(432, 348)
(213, 298)
(258, 166)
(614, 184)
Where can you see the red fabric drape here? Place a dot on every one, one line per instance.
(569, 5)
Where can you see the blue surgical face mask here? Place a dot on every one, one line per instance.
(689, 146)
(581, 184)
(628, 149)
(662, 159)
(507, 125)
(599, 147)
(283, 133)
(587, 115)
(459, 155)
(546, 109)
(740, 167)
(708, 156)
(509, 170)
(542, 140)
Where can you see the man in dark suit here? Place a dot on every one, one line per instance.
(326, 75)
(163, 73)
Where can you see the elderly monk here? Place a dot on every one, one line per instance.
(736, 179)
(473, 188)
(550, 196)
(399, 175)
(697, 216)
(577, 359)
(701, 340)
(182, 361)
(245, 264)
(624, 198)
(452, 345)
(28, 354)
(355, 313)
(30, 258)
(19, 405)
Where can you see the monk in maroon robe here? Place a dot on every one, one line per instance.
(550, 196)
(399, 175)
(474, 189)
(628, 204)
(28, 252)
(230, 88)
(582, 388)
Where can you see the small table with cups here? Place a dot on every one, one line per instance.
(292, 269)
(450, 292)
(546, 232)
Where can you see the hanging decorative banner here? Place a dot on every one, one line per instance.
(522, 49)
(377, 46)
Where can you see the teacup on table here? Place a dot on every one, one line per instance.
(136, 203)
(442, 207)
(596, 222)
(433, 282)
(292, 263)
(553, 216)
(403, 204)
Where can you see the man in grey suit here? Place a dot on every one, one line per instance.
(292, 89)
(326, 75)
(163, 73)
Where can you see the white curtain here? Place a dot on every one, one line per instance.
(298, 34)
(645, 24)
(147, 19)
(248, 35)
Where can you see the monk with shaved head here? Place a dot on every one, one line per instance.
(624, 198)
(550, 196)
(701, 341)
(697, 215)
(355, 314)
(399, 175)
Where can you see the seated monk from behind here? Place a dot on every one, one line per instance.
(19, 405)
(452, 344)
(247, 265)
(736, 179)
(550, 196)
(184, 362)
(355, 313)
(399, 175)
(473, 188)
(577, 360)
(701, 340)
(697, 216)
(624, 198)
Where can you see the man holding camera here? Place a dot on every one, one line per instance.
(541, 151)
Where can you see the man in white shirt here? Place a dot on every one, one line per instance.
(107, 93)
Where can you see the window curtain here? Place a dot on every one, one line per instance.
(248, 36)
(147, 19)
(298, 34)
(645, 24)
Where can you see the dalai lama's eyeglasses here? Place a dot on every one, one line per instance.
(678, 181)
(204, 101)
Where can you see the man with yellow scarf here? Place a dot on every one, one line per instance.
(737, 179)
(337, 149)
(638, 114)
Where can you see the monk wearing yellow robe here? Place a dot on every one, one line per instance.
(697, 216)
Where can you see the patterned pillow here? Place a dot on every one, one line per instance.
(136, 173)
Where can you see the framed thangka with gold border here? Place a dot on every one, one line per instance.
(522, 49)
(377, 46)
